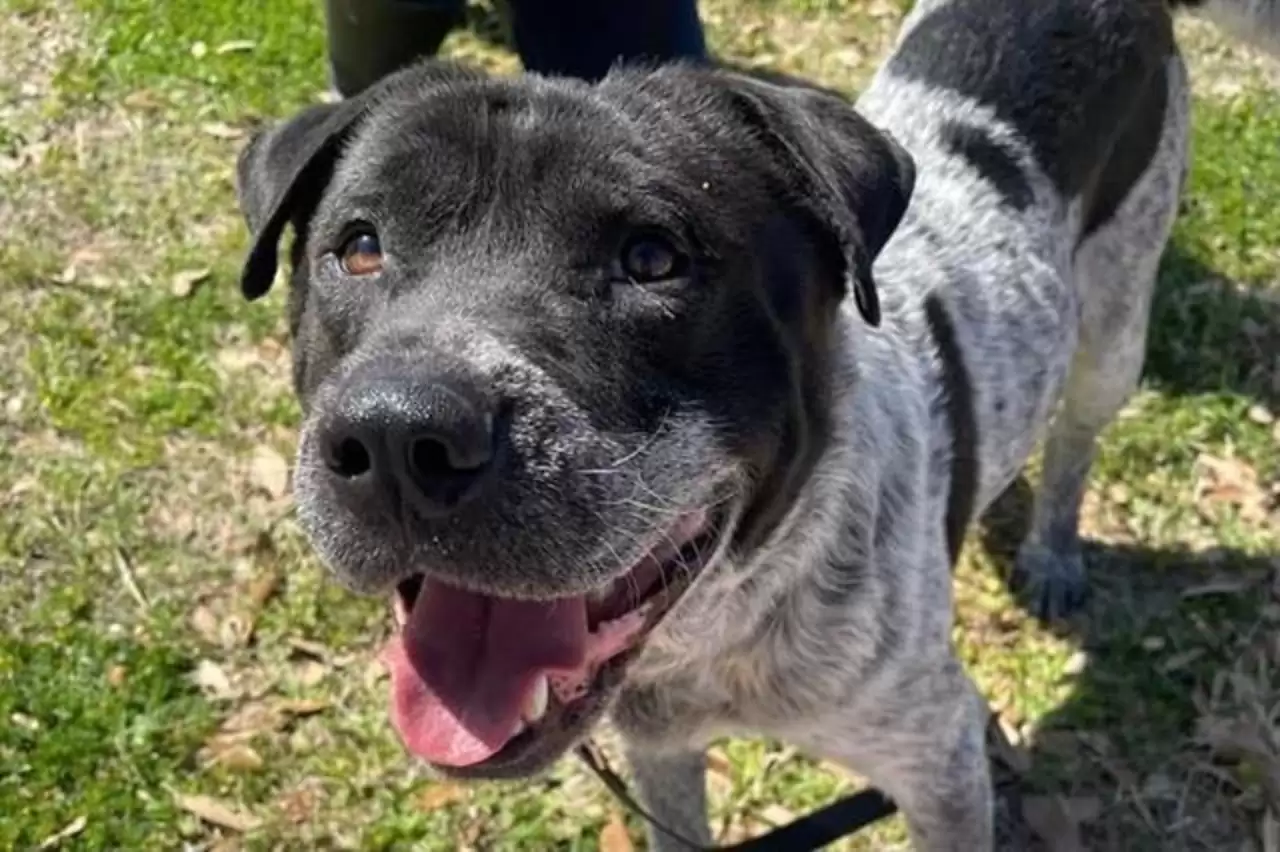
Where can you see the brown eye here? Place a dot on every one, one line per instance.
(361, 254)
(650, 257)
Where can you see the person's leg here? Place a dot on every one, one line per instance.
(369, 39)
(583, 38)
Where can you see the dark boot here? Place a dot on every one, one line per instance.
(369, 39)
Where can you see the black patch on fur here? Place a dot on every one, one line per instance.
(993, 160)
(1130, 156)
(964, 425)
(1068, 75)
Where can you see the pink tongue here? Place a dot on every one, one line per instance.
(464, 664)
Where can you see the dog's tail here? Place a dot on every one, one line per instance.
(1254, 21)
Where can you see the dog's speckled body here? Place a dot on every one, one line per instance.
(1049, 142)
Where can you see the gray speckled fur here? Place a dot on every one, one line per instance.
(833, 633)
(1041, 318)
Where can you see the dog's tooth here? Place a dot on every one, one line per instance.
(535, 706)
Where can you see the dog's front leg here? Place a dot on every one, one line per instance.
(924, 745)
(672, 787)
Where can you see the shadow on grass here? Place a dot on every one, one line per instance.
(1210, 335)
(1159, 624)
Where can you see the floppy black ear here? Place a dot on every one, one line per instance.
(854, 179)
(282, 172)
(280, 175)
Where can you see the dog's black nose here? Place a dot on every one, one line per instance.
(427, 444)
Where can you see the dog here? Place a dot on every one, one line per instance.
(672, 396)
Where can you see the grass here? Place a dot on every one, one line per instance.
(176, 671)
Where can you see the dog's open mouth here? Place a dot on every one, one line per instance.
(474, 675)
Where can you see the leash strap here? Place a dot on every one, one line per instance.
(812, 831)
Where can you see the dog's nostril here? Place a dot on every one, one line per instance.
(349, 458)
(431, 458)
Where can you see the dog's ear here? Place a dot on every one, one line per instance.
(280, 176)
(283, 171)
(852, 178)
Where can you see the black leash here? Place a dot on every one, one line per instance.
(812, 831)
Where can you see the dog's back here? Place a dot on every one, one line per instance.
(1051, 140)
(1082, 82)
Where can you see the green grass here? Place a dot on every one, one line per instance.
(76, 743)
(138, 536)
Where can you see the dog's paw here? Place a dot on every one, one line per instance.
(1051, 584)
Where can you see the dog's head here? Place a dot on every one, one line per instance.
(560, 348)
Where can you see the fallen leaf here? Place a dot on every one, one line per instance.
(213, 679)
(470, 834)
(298, 806)
(236, 630)
(302, 706)
(884, 9)
(1076, 663)
(217, 813)
(269, 472)
(614, 836)
(263, 587)
(73, 828)
(237, 757)
(116, 675)
(738, 828)
(1056, 820)
(310, 672)
(238, 358)
(309, 648)
(718, 763)
(219, 130)
(143, 99)
(185, 282)
(777, 815)
(441, 795)
(1233, 482)
(1005, 744)
(253, 718)
(719, 774)
(375, 671)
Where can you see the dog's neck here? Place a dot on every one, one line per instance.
(854, 507)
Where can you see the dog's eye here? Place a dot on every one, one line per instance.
(650, 257)
(361, 254)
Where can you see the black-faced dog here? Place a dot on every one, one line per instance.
(656, 396)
